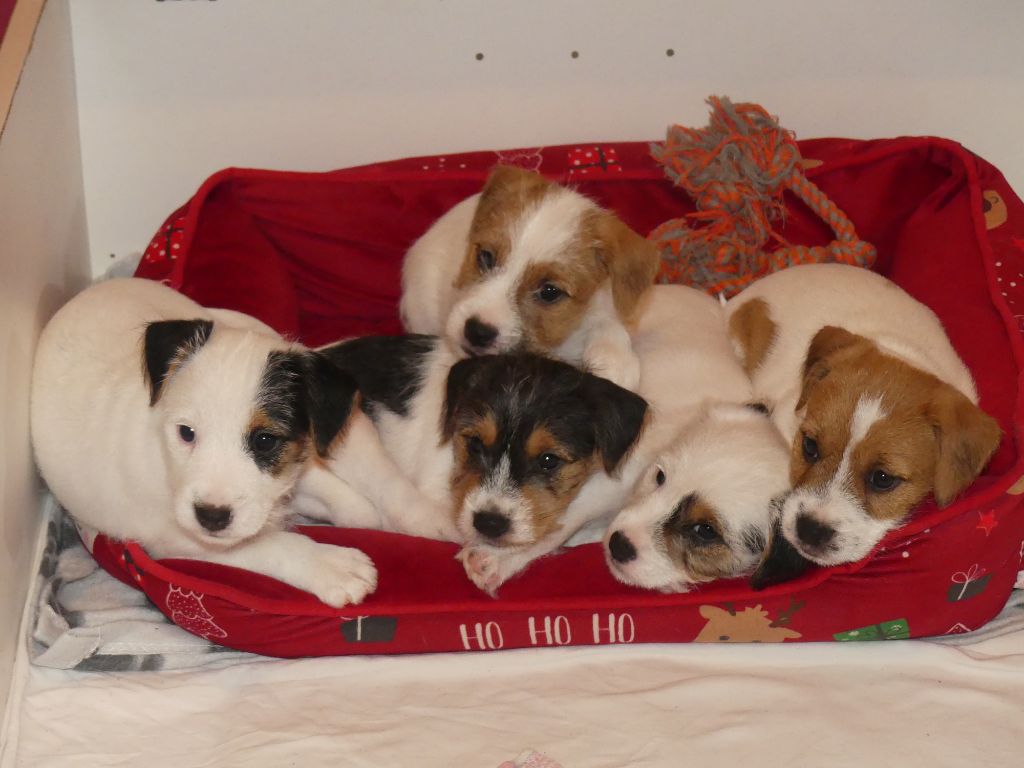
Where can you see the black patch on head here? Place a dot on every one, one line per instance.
(300, 393)
(780, 562)
(167, 342)
(388, 369)
(522, 392)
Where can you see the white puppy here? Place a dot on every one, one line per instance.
(710, 466)
(185, 429)
(878, 408)
(528, 264)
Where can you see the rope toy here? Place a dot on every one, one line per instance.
(736, 170)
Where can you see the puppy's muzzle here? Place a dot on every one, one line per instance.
(621, 548)
(213, 517)
(479, 335)
(491, 523)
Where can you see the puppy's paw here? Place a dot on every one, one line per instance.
(426, 518)
(615, 362)
(483, 567)
(341, 575)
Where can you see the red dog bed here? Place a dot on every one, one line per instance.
(318, 256)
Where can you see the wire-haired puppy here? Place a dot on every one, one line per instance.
(500, 446)
(531, 265)
(710, 468)
(185, 429)
(876, 404)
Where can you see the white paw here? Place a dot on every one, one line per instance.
(615, 362)
(426, 518)
(341, 575)
(483, 567)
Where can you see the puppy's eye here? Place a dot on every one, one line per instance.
(549, 293)
(705, 533)
(264, 443)
(549, 462)
(186, 433)
(811, 452)
(474, 445)
(881, 481)
(484, 259)
(659, 477)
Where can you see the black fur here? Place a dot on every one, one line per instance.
(524, 391)
(781, 562)
(303, 392)
(759, 407)
(166, 340)
(388, 369)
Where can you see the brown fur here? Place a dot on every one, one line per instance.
(605, 249)
(549, 502)
(752, 327)
(933, 437)
(293, 452)
(703, 562)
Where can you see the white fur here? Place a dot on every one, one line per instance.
(119, 465)
(701, 435)
(430, 303)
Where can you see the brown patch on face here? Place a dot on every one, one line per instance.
(994, 208)
(467, 472)
(506, 193)
(752, 327)
(702, 560)
(549, 498)
(289, 454)
(931, 438)
(579, 275)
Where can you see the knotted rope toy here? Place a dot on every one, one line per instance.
(736, 170)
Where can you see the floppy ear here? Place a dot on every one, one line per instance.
(780, 562)
(966, 436)
(826, 342)
(166, 346)
(631, 260)
(330, 395)
(462, 378)
(618, 418)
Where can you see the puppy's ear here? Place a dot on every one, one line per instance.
(618, 415)
(330, 395)
(462, 380)
(631, 260)
(166, 346)
(825, 345)
(966, 439)
(780, 562)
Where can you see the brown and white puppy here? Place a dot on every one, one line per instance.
(876, 404)
(497, 448)
(531, 265)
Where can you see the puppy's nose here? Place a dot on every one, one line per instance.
(621, 548)
(479, 334)
(213, 517)
(814, 533)
(491, 524)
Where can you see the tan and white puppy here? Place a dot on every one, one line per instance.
(185, 429)
(711, 465)
(876, 404)
(531, 265)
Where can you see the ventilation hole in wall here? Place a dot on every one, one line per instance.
(575, 54)
(479, 57)
(670, 52)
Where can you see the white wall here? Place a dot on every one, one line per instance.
(43, 259)
(171, 91)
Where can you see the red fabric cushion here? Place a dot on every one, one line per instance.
(318, 257)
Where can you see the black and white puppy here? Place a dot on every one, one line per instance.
(186, 429)
(499, 446)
